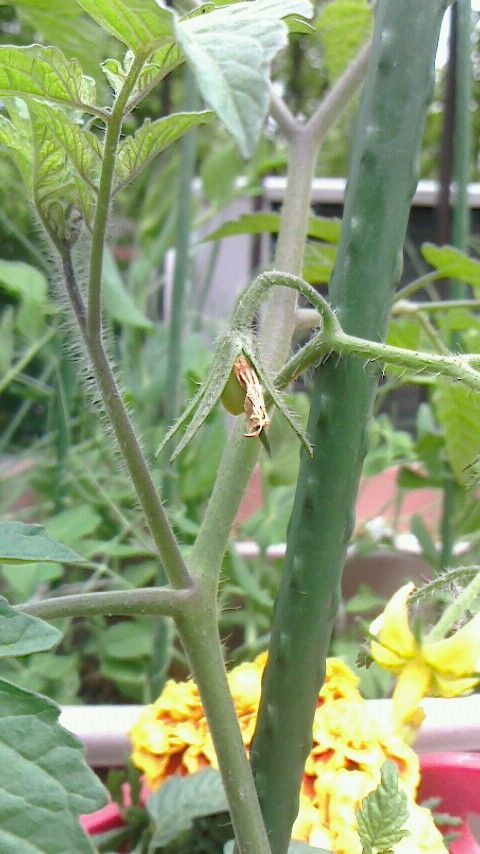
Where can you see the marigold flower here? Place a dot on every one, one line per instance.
(349, 748)
(444, 668)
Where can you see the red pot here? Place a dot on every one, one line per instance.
(453, 777)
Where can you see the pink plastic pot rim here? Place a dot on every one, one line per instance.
(110, 817)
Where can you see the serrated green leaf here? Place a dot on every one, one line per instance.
(20, 148)
(21, 634)
(60, 194)
(20, 543)
(82, 148)
(136, 152)
(458, 410)
(45, 73)
(63, 23)
(321, 228)
(344, 26)
(383, 812)
(115, 72)
(142, 25)
(230, 50)
(161, 63)
(453, 263)
(180, 800)
(44, 779)
(163, 60)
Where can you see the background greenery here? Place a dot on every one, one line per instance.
(57, 468)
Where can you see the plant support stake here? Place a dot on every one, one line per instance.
(382, 181)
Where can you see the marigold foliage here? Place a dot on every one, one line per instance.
(349, 748)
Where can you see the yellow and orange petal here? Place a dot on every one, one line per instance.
(459, 655)
(412, 685)
(396, 641)
(340, 683)
(348, 749)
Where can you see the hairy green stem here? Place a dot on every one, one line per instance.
(198, 629)
(456, 610)
(90, 323)
(279, 318)
(157, 520)
(148, 600)
(339, 96)
(112, 136)
(441, 582)
(458, 368)
(156, 517)
(381, 183)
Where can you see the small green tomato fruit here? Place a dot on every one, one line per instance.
(233, 395)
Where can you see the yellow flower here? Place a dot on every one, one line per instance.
(349, 748)
(444, 668)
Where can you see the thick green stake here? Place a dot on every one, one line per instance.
(382, 181)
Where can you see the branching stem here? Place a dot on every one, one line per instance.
(456, 367)
(338, 97)
(148, 600)
(460, 605)
(112, 136)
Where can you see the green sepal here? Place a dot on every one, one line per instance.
(209, 393)
(262, 436)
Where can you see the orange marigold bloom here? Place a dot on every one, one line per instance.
(349, 748)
